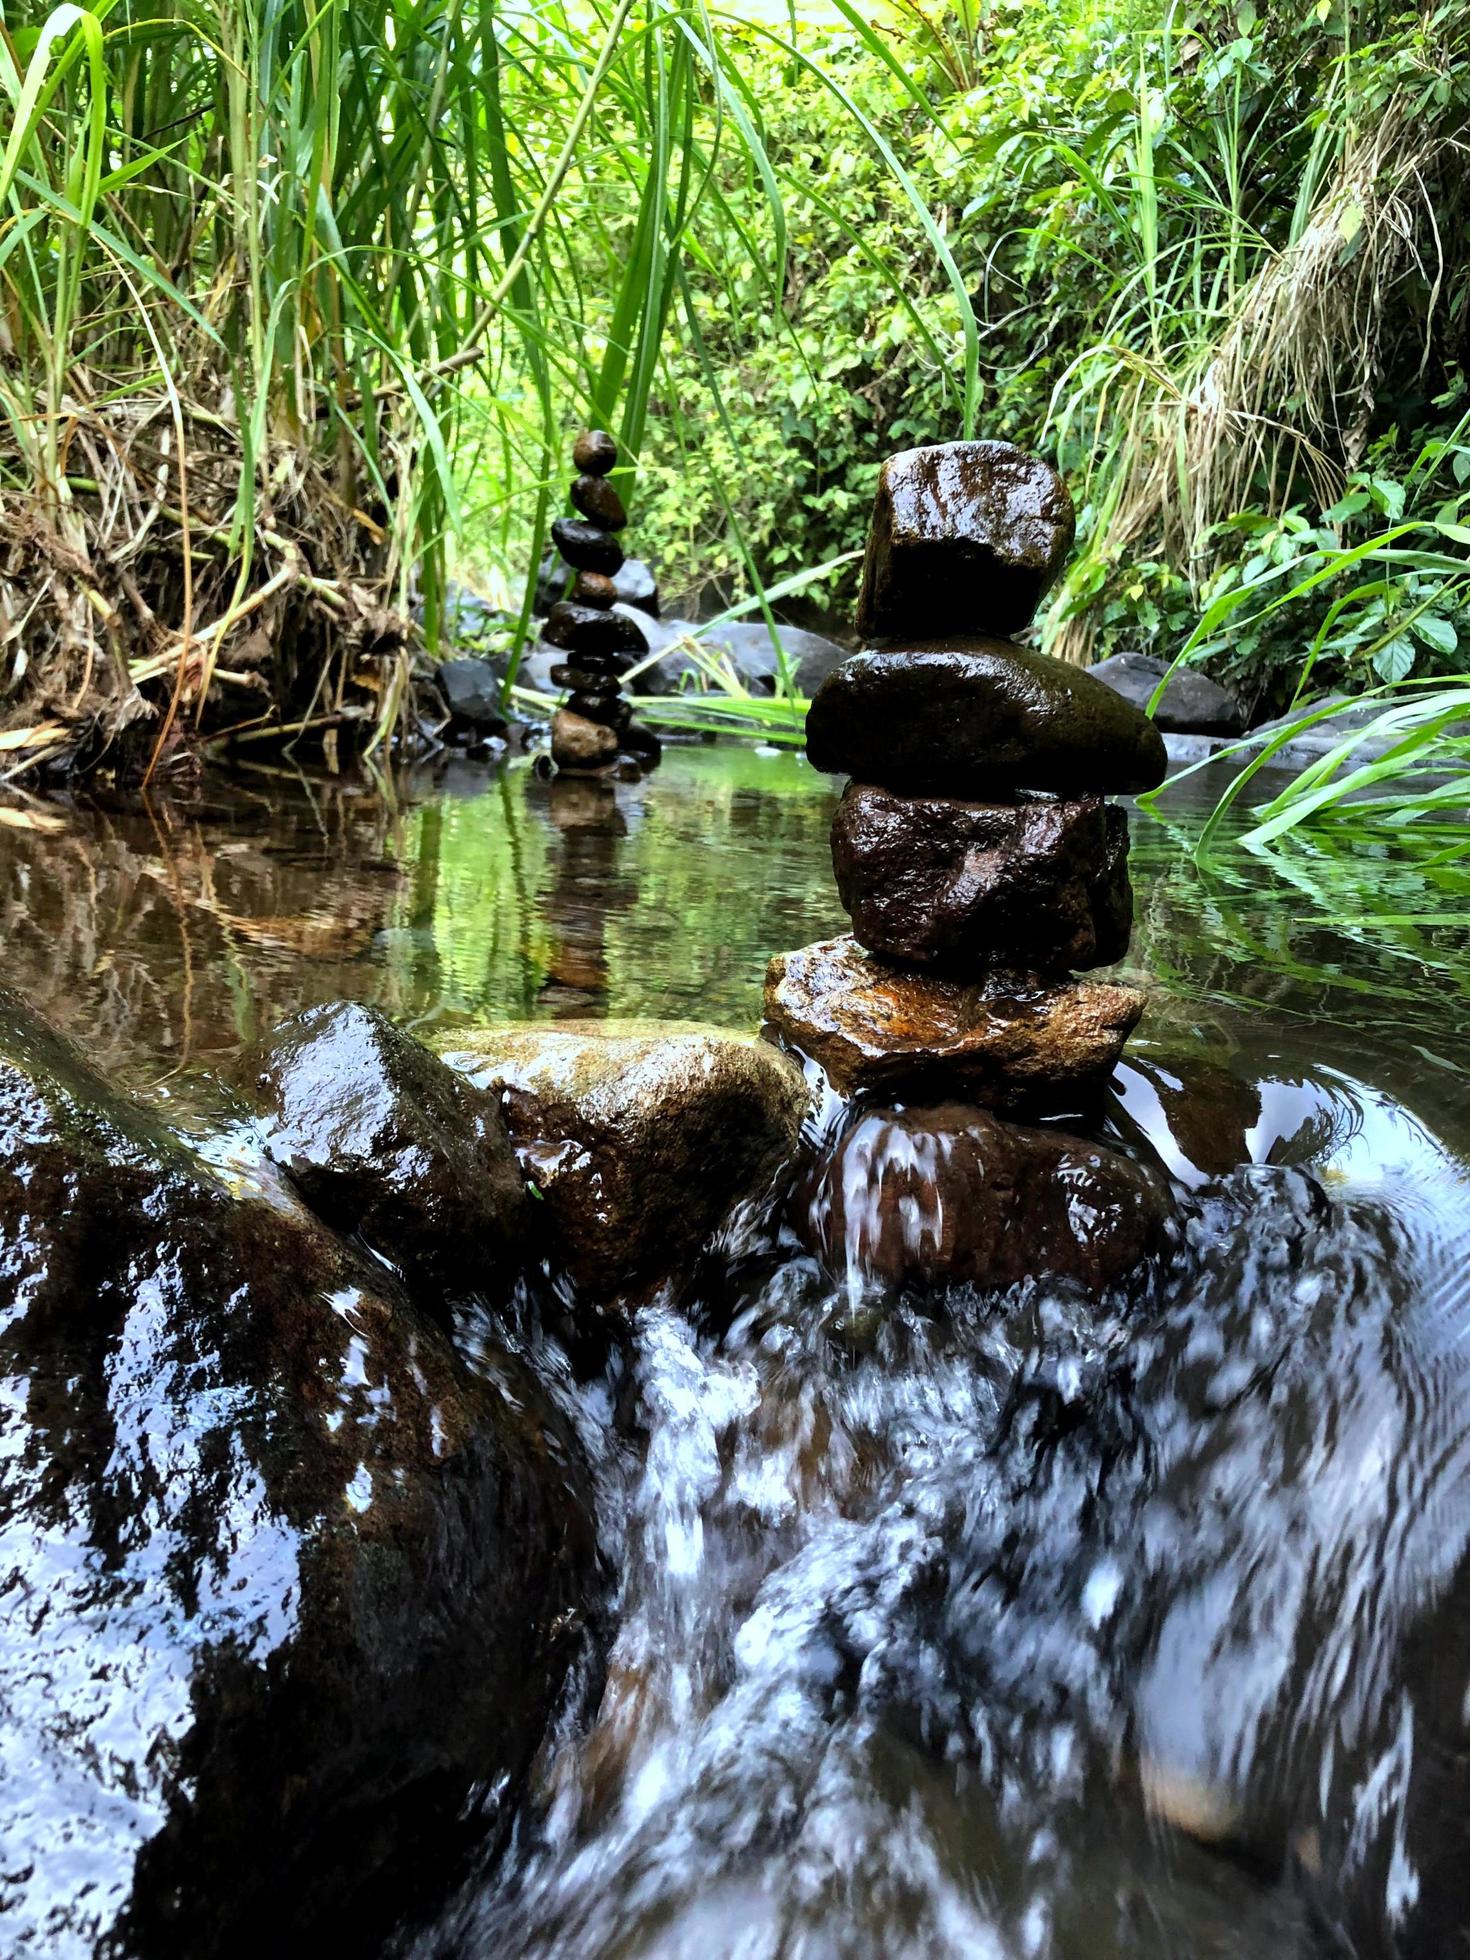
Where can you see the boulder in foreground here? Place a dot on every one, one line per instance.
(980, 719)
(288, 1590)
(639, 1137)
(1007, 1041)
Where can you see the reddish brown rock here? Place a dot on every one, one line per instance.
(951, 1193)
(597, 500)
(580, 744)
(1007, 1041)
(594, 589)
(595, 452)
(966, 537)
(587, 547)
(980, 718)
(1039, 887)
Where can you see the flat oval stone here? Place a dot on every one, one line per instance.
(594, 589)
(577, 743)
(966, 537)
(595, 452)
(980, 718)
(597, 500)
(585, 630)
(1009, 1041)
(584, 679)
(587, 547)
(605, 705)
(1042, 887)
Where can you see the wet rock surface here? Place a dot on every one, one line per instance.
(471, 690)
(595, 452)
(383, 1140)
(588, 630)
(287, 1589)
(595, 589)
(966, 537)
(1006, 1041)
(586, 546)
(980, 719)
(950, 1193)
(596, 499)
(577, 743)
(1191, 704)
(1039, 887)
(640, 1140)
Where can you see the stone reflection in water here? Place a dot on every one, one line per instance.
(585, 889)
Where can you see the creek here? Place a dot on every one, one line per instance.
(941, 1625)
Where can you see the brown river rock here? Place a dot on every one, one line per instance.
(587, 547)
(1008, 1041)
(595, 452)
(577, 743)
(1039, 887)
(639, 1137)
(597, 500)
(590, 630)
(966, 537)
(980, 718)
(953, 1193)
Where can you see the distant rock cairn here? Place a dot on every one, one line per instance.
(595, 727)
(974, 853)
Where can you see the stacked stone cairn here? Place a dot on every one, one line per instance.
(595, 727)
(974, 851)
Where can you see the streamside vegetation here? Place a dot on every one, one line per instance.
(299, 304)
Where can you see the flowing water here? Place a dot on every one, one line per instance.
(945, 1625)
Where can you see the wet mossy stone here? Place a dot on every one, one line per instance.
(290, 1588)
(1008, 1041)
(586, 629)
(980, 719)
(641, 1138)
(966, 537)
(1041, 885)
(951, 1193)
(599, 503)
(382, 1140)
(595, 452)
(587, 547)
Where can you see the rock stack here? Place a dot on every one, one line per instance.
(974, 853)
(595, 726)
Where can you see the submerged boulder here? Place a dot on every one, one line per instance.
(287, 1588)
(951, 1193)
(1007, 1041)
(980, 718)
(382, 1139)
(966, 537)
(1040, 887)
(640, 1139)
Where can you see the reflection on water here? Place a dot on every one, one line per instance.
(959, 1627)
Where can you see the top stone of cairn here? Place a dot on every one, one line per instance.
(966, 537)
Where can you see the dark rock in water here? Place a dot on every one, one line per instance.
(595, 589)
(580, 744)
(1009, 1041)
(637, 587)
(382, 1140)
(584, 629)
(471, 690)
(967, 537)
(595, 452)
(641, 743)
(589, 678)
(606, 706)
(952, 1194)
(287, 1586)
(1039, 887)
(599, 503)
(640, 1138)
(982, 719)
(586, 547)
(1192, 704)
